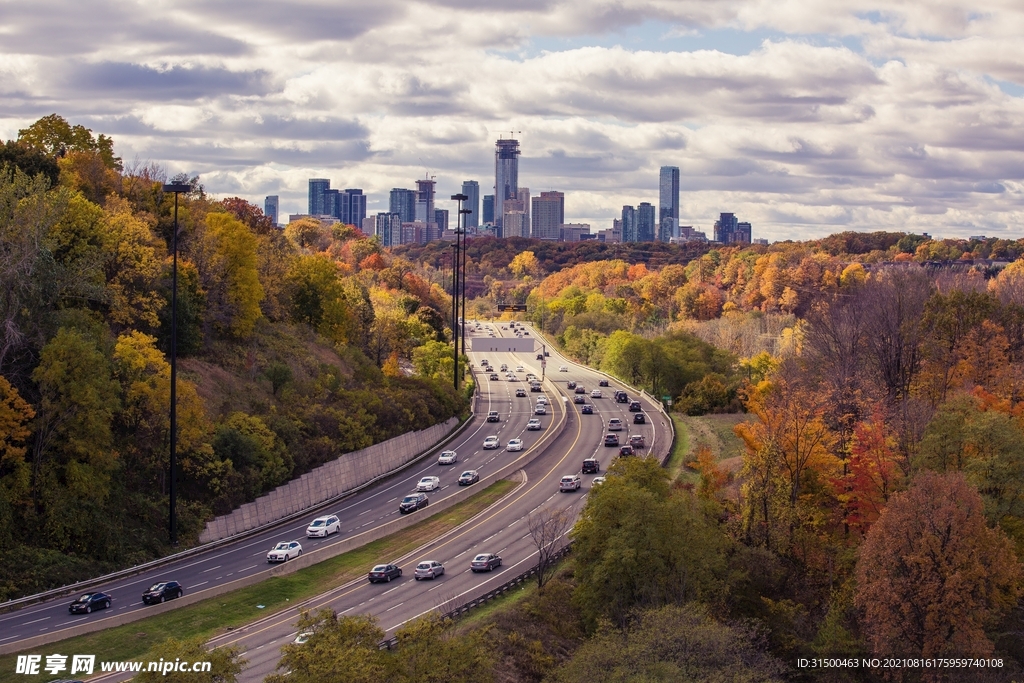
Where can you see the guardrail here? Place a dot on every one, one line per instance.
(489, 595)
(77, 587)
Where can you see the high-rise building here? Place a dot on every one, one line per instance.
(629, 231)
(524, 199)
(272, 207)
(353, 206)
(506, 174)
(388, 229)
(488, 209)
(441, 218)
(332, 203)
(668, 202)
(725, 226)
(317, 188)
(471, 189)
(403, 202)
(425, 200)
(742, 234)
(548, 215)
(513, 223)
(645, 222)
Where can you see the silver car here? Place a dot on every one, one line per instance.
(429, 569)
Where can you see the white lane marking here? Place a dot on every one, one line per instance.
(249, 567)
(198, 585)
(36, 621)
(8, 638)
(364, 512)
(390, 589)
(210, 569)
(395, 607)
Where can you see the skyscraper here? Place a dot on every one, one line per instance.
(645, 222)
(629, 232)
(388, 228)
(668, 202)
(353, 207)
(272, 207)
(471, 189)
(317, 188)
(425, 200)
(441, 218)
(548, 215)
(524, 198)
(725, 226)
(506, 174)
(488, 209)
(332, 203)
(403, 202)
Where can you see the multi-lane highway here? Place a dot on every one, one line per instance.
(501, 529)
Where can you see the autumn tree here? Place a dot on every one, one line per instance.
(525, 263)
(872, 473)
(548, 529)
(54, 136)
(132, 266)
(932, 575)
(226, 663)
(231, 279)
(15, 419)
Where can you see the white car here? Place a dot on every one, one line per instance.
(519, 368)
(448, 458)
(323, 526)
(428, 569)
(542, 400)
(563, 368)
(491, 442)
(597, 481)
(284, 551)
(428, 484)
(540, 409)
(510, 377)
(615, 425)
(596, 393)
(533, 425)
(514, 445)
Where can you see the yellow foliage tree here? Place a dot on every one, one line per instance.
(132, 266)
(234, 259)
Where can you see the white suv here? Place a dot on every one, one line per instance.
(615, 425)
(570, 482)
(323, 526)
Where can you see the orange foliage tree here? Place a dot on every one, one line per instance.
(872, 474)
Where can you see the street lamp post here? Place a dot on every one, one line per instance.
(461, 329)
(177, 189)
(465, 245)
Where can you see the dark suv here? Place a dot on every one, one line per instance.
(639, 419)
(413, 502)
(634, 406)
(158, 592)
(611, 440)
(621, 397)
(591, 466)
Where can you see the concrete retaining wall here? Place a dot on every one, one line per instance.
(327, 481)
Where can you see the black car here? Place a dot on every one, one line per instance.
(625, 450)
(413, 502)
(165, 590)
(634, 406)
(591, 466)
(587, 409)
(540, 356)
(603, 383)
(384, 573)
(485, 562)
(570, 385)
(611, 440)
(639, 419)
(89, 603)
(580, 389)
(579, 398)
(469, 477)
(621, 397)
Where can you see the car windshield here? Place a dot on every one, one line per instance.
(480, 558)
(425, 480)
(380, 568)
(318, 522)
(409, 499)
(156, 587)
(281, 546)
(85, 598)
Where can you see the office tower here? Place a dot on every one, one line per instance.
(488, 209)
(742, 234)
(506, 174)
(353, 206)
(645, 222)
(629, 232)
(425, 201)
(388, 229)
(725, 226)
(471, 189)
(513, 223)
(403, 202)
(317, 188)
(668, 202)
(524, 198)
(548, 215)
(332, 204)
(574, 232)
(441, 218)
(271, 207)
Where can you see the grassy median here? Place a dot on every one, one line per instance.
(212, 617)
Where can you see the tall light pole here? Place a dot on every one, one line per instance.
(177, 189)
(461, 329)
(465, 249)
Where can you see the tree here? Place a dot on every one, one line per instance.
(931, 575)
(15, 417)
(548, 530)
(673, 643)
(55, 137)
(234, 289)
(225, 663)
(132, 267)
(872, 475)
(31, 162)
(524, 263)
(429, 651)
(338, 649)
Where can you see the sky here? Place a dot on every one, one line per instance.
(804, 117)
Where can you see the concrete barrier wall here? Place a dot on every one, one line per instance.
(327, 481)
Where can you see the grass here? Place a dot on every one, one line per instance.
(208, 618)
(680, 449)
(713, 431)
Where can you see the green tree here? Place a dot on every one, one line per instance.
(637, 544)
(225, 663)
(429, 651)
(15, 417)
(132, 267)
(673, 643)
(254, 451)
(338, 649)
(31, 162)
(434, 360)
(235, 292)
(55, 137)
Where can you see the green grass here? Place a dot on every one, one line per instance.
(680, 451)
(729, 445)
(213, 616)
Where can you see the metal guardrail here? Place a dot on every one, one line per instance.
(488, 596)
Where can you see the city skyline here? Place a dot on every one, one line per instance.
(806, 120)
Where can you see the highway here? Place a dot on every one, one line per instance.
(502, 528)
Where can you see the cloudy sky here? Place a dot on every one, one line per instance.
(805, 117)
